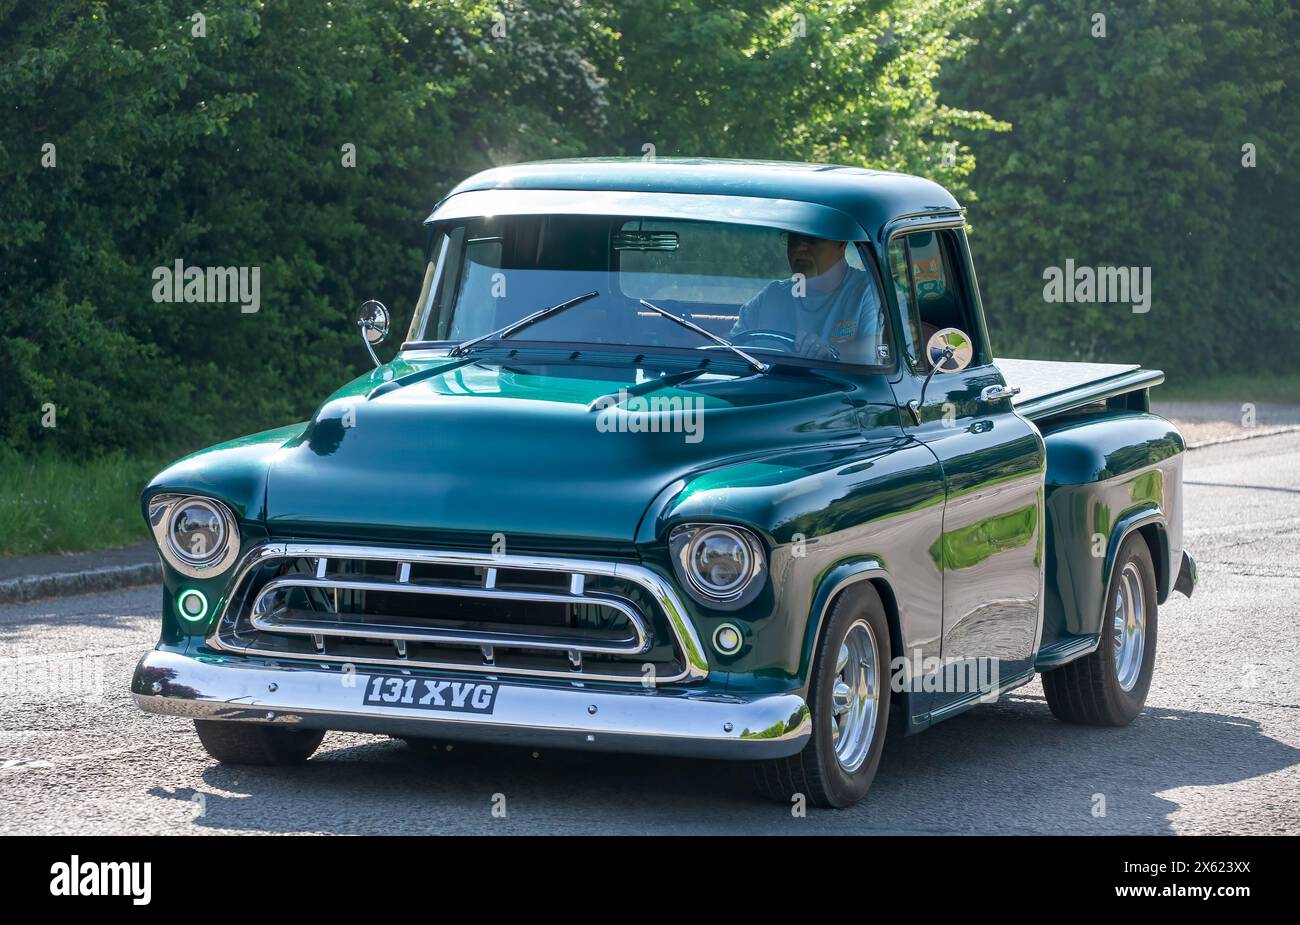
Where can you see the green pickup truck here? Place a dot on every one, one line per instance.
(686, 457)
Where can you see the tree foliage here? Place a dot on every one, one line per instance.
(220, 143)
(1127, 150)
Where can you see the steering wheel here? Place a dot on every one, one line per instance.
(787, 341)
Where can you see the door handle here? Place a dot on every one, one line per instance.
(995, 392)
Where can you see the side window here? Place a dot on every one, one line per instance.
(902, 281)
(931, 291)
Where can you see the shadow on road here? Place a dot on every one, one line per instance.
(1006, 767)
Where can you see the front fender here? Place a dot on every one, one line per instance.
(235, 473)
(829, 516)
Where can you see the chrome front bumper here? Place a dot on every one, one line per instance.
(695, 724)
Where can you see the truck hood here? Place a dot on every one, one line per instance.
(459, 455)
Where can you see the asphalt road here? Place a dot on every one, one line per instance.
(1216, 751)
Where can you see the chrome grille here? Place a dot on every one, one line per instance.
(521, 615)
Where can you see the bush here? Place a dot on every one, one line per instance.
(220, 143)
(1126, 150)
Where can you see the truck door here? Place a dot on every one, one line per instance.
(991, 548)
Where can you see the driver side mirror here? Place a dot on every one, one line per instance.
(949, 350)
(373, 322)
(938, 347)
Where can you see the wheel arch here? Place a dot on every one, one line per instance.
(1157, 539)
(838, 581)
(1150, 524)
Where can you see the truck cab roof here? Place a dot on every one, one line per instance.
(870, 198)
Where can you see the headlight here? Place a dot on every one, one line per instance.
(198, 537)
(721, 564)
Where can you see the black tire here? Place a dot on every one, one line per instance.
(815, 772)
(1088, 690)
(250, 743)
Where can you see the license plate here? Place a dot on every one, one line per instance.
(430, 694)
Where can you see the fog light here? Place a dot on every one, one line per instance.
(193, 605)
(727, 639)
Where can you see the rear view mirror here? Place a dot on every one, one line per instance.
(373, 322)
(645, 241)
(937, 350)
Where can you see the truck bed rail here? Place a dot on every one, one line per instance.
(1049, 387)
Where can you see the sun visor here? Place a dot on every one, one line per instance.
(807, 218)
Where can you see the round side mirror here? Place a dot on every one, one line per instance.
(963, 350)
(373, 322)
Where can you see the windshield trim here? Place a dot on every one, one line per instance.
(773, 359)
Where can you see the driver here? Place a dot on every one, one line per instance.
(830, 309)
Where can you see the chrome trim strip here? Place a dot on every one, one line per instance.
(695, 664)
(1078, 396)
(257, 615)
(687, 723)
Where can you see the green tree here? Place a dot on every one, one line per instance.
(221, 141)
(1127, 150)
(838, 82)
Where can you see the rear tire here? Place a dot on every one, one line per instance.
(248, 743)
(835, 768)
(1109, 687)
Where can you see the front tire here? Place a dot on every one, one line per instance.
(849, 700)
(249, 743)
(1109, 687)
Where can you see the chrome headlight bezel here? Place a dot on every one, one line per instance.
(685, 539)
(163, 510)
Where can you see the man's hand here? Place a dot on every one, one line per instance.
(809, 345)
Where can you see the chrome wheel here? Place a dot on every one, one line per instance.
(855, 694)
(1129, 626)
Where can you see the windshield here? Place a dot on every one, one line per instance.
(764, 289)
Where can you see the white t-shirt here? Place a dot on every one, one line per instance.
(840, 307)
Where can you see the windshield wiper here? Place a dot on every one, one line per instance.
(761, 367)
(460, 349)
(668, 380)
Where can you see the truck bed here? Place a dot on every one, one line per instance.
(1048, 386)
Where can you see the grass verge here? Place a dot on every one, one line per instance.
(1237, 387)
(49, 504)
